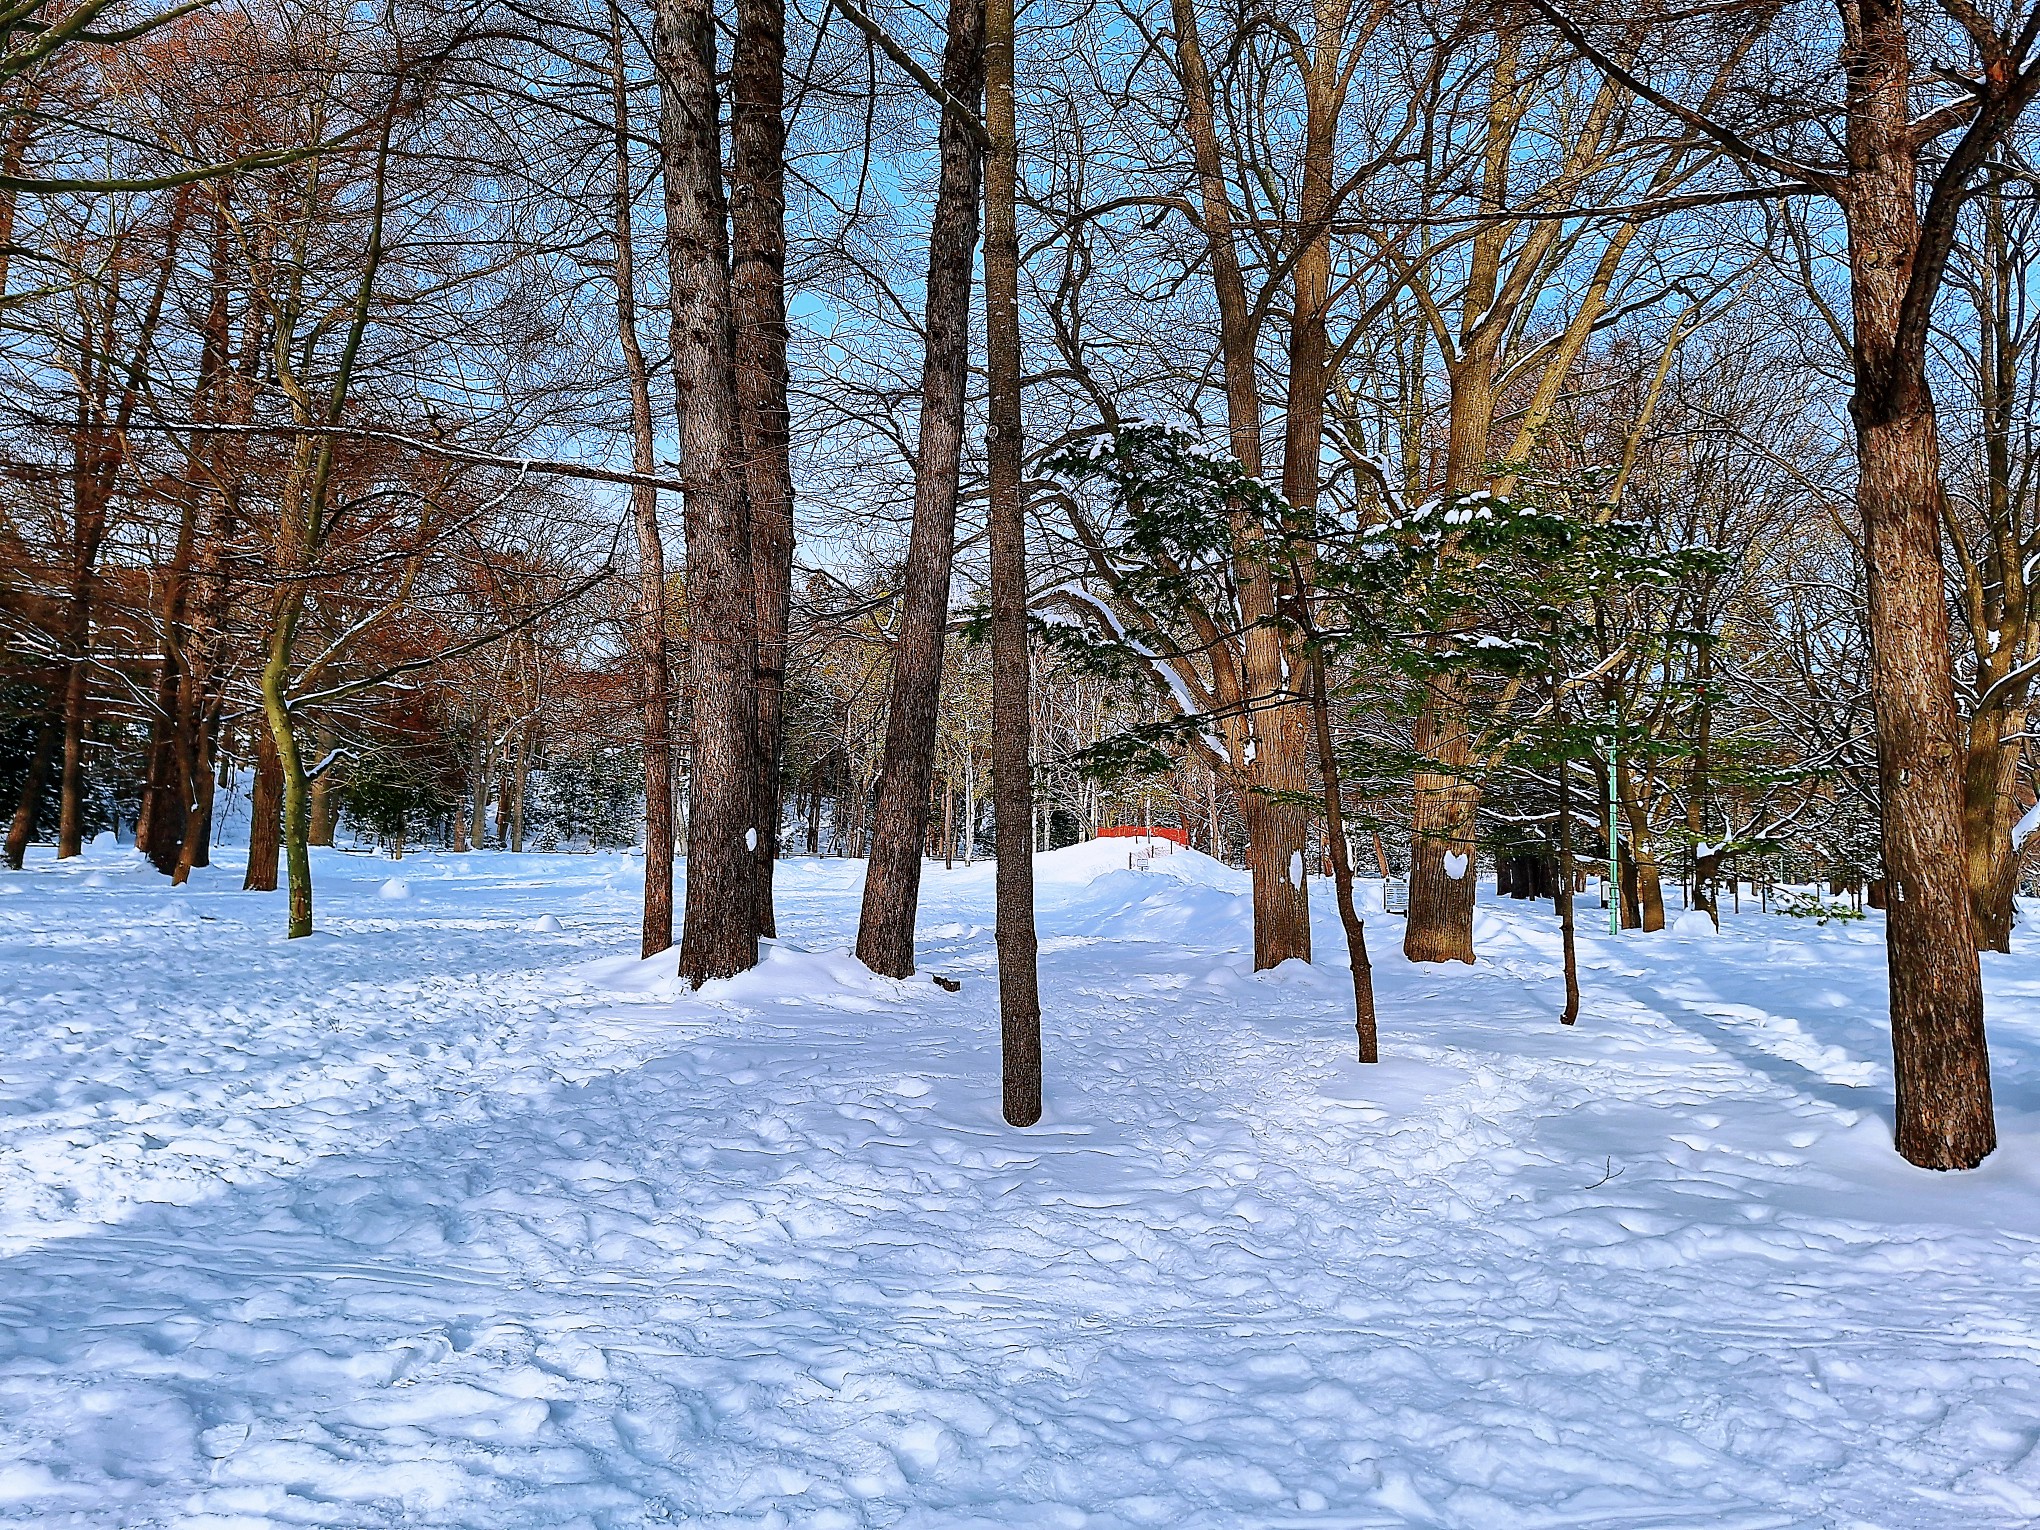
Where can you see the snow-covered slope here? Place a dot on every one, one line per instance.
(458, 1214)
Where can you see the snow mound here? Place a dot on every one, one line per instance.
(1694, 922)
(1078, 865)
(545, 924)
(395, 889)
(96, 879)
(785, 974)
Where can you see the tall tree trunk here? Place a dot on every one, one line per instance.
(1941, 1063)
(71, 786)
(970, 813)
(758, 292)
(520, 781)
(478, 793)
(294, 784)
(655, 686)
(197, 706)
(265, 816)
(198, 817)
(1342, 863)
(1012, 705)
(1645, 908)
(892, 885)
(21, 829)
(719, 927)
(319, 832)
(1568, 945)
(1273, 749)
(166, 793)
(1699, 788)
(1446, 804)
(1990, 809)
(1439, 926)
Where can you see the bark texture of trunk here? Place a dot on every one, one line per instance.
(1342, 866)
(1439, 927)
(719, 928)
(758, 290)
(1941, 1064)
(265, 817)
(21, 829)
(1012, 772)
(1990, 809)
(892, 884)
(654, 675)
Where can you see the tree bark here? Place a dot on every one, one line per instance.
(1568, 944)
(1342, 865)
(1990, 809)
(265, 817)
(71, 781)
(1941, 1063)
(758, 291)
(1644, 908)
(1012, 704)
(319, 831)
(21, 829)
(1270, 747)
(719, 926)
(892, 884)
(196, 850)
(1439, 926)
(654, 678)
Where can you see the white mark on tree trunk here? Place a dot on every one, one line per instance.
(1296, 868)
(1455, 864)
(750, 839)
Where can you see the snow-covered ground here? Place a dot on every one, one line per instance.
(456, 1214)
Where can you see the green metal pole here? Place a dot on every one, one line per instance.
(1614, 828)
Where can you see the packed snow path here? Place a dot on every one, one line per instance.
(457, 1215)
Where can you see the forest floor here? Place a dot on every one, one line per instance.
(457, 1214)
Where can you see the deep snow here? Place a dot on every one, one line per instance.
(456, 1214)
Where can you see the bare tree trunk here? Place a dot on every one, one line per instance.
(1941, 1063)
(758, 292)
(71, 805)
(22, 828)
(1564, 895)
(1012, 705)
(719, 926)
(478, 793)
(200, 707)
(265, 816)
(970, 808)
(1699, 787)
(162, 801)
(1990, 808)
(892, 885)
(166, 794)
(654, 679)
(1342, 864)
(520, 781)
(1439, 927)
(198, 818)
(319, 828)
(1279, 754)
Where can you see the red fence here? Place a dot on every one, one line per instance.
(1159, 831)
